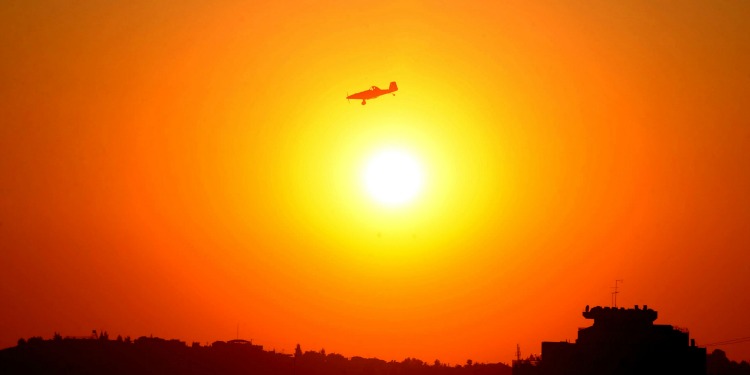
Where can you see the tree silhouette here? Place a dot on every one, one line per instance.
(96, 355)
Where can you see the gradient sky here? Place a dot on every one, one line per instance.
(177, 168)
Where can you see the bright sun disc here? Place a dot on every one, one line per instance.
(393, 177)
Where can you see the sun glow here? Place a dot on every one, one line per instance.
(393, 177)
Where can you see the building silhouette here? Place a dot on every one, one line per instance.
(623, 342)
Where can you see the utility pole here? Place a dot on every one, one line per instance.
(615, 292)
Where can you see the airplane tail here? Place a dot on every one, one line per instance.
(393, 87)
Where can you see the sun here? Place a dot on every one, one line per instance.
(393, 177)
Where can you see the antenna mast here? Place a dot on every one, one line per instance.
(518, 352)
(615, 292)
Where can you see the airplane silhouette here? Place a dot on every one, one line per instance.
(373, 93)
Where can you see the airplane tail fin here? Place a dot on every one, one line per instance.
(393, 87)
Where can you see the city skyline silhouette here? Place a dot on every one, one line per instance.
(620, 341)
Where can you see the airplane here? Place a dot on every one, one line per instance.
(373, 93)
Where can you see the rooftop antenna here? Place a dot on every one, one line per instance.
(615, 292)
(518, 352)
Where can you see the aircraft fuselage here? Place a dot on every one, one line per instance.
(373, 93)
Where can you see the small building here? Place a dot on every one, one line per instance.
(623, 342)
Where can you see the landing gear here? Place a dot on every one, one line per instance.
(363, 102)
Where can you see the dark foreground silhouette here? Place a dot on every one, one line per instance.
(627, 342)
(621, 341)
(147, 355)
(718, 364)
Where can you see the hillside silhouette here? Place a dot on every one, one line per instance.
(98, 354)
(152, 355)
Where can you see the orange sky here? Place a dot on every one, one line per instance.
(178, 168)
